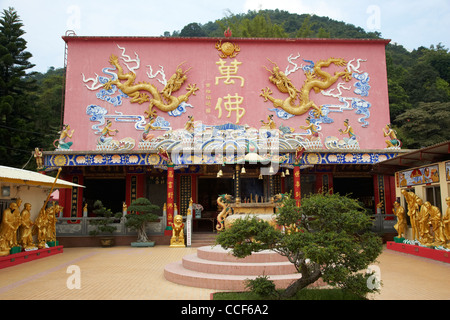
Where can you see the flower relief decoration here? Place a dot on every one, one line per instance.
(117, 85)
(298, 101)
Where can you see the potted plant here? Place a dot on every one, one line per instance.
(104, 223)
(141, 211)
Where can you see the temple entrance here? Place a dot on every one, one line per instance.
(110, 191)
(356, 188)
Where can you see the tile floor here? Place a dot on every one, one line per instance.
(126, 273)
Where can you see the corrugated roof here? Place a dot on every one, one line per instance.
(436, 153)
(31, 178)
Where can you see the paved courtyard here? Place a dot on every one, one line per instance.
(126, 273)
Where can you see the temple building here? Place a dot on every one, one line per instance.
(184, 120)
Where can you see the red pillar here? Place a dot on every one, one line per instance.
(297, 190)
(170, 195)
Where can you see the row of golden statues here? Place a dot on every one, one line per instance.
(428, 225)
(17, 229)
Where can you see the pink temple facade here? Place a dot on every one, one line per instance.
(228, 86)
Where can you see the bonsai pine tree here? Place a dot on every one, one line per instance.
(329, 236)
(107, 218)
(141, 211)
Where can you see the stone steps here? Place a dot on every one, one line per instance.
(203, 239)
(215, 268)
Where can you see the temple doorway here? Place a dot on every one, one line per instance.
(359, 188)
(111, 192)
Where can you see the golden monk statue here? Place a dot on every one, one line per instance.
(26, 238)
(423, 223)
(51, 223)
(10, 224)
(400, 226)
(40, 227)
(436, 223)
(177, 239)
(446, 222)
(8, 229)
(411, 200)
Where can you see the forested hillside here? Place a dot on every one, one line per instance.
(30, 102)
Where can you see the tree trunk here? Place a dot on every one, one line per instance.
(142, 235)
(308, 277)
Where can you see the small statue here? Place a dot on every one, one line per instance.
(38, 156)
(314, 135)
(64, 134)
(164, 155)
(270, 124)
(299, 154)
(147, 136)
(26, 238)
(177, 239)
(189, 126)
(393, 142)
(348, 130)
(106, 134)
(400, 226)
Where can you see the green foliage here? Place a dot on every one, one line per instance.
(329, 236)
(103, 225)
(262, 286)
(427, 124)
(15, 110)
(141, 211)
(306, 294)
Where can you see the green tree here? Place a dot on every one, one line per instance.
(192, 30)
(424, 125)
(305, 30)
(15, 111)
(47, 104)
(328, 237)
(141, 211)
(259, 26)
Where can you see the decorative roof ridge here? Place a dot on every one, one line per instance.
(141, 38)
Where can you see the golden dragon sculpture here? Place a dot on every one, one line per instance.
(223, 201)
(316, 80)
(139, 92)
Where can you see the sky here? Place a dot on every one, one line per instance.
(410, 23)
